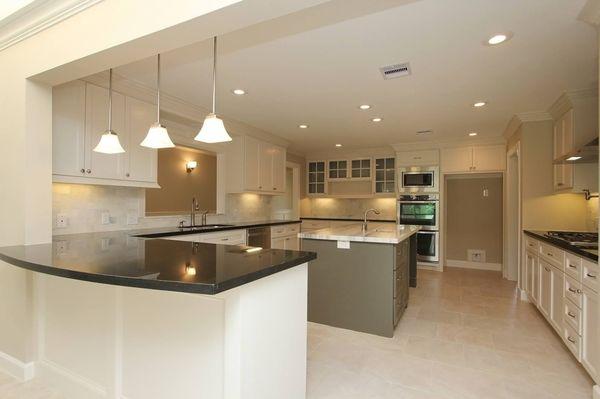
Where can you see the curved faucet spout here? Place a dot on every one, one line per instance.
(364, 225)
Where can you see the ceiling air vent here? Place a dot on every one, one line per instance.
(395, 71)
(424, 132)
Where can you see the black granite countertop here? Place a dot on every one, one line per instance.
(174, 231)
(591, 254)
(118, 258)
(346, 219)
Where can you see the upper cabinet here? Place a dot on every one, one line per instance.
(316, 178)
(474, 159)
(575, 117)
(385, 175)
(80, 116)
(255, 166)
(418, 158)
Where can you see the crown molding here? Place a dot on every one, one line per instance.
(518, 119)
(567, 100)
(38, 16)
(438, 144)
(590, 13)
(177, 109)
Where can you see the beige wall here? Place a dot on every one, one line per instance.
(542, 207)
(352, 208)
(474, 221)
(178, 187)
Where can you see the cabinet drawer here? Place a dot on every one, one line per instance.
(572, 316)
(231, 237)
(553, 254)
(573, 291)
(590, 272)
(573, 266)
(532, 245)
(418, 158)
(285, 230)
(293, 229)
(572, 340)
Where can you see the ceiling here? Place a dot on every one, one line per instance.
(318, 66)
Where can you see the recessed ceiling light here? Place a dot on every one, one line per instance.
(498, 38)
(480, 104)
(338, 145)
(365, 106)
(376, 119)
(303, 126)
(472, 134)
(239, 92)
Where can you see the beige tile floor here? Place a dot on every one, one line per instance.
(464, 335)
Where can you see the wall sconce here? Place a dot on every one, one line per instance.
(190, 165)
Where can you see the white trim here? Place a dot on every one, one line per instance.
(596, 392)
(534, 116)
(473, 265)
(103, 182)
(16, 368)
(38, 16)
(565, 101)
(70, 384)
(460, 142)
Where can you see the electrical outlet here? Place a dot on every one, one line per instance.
(105, 218)
(476, 255)
(343, 244)
(62, 221)
(61, 247)
(132, 218)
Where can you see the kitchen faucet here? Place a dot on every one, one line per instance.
(364, 225)
(204, 213)
(195, 208)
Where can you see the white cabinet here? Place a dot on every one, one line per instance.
(227, 237)
(530, 267)
(315, 181)
(285, 237)
(590, 348)
(545, 296)
(418, 158)
(255, 166)
(557, 301)
(474, 159)
(80, 117)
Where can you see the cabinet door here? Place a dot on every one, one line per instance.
(563, 177)
(265, 172)
(292, 243)
(252, 163)
(457, 159)
(530, 269)
(557, 299)
(315, 171)
(489, 158)
(545, 295)
(278, 169)
(278, 243)
(590, 353)
(68, 129)
(142, 165)
(567, 132)
(535, 281)
(103, 166)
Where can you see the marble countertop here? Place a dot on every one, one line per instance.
(377, 232)
(157, 232)
(118, 258)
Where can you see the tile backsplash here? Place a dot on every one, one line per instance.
(83, 207)
(351, 208)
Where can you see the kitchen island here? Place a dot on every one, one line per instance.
(360, 280)
(129, 317)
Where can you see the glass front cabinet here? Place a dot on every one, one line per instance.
(316, 178)
(385, 176)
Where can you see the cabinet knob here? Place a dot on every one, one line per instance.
(547, 269)
(260, 187)
(82, 170)
(571, 339)
(274, 188)
(126, 174)
(571, 314)
(88, 171)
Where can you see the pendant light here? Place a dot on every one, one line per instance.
(213, 130)
(157, 136)
(109, 142)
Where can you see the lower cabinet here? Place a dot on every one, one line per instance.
(285, 237)
(564, 288)
(590, 333)
(227, 237)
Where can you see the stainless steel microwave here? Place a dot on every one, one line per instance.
(418, 179)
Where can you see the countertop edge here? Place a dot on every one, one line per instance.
(347, 219)
(174, 286)
(562, 245)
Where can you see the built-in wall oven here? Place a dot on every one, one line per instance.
(416, 179)
(422, 210)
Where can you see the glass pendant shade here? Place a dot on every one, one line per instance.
(213, 131)
(157, 137)
(109, 144)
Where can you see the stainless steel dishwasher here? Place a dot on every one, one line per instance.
(259, 237)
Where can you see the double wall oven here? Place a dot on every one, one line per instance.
(422, 210)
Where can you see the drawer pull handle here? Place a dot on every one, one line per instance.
(571, 314)
(573, 290)
(591, 275)
(547, 269)
(549, 254)
(572, 340)
(224, 239)
(572, 266)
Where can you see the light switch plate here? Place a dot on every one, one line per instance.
(343, 244)
(132, 218)
(62, 221)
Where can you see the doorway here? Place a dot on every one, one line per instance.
(511, 268)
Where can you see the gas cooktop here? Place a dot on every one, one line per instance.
(581, 240)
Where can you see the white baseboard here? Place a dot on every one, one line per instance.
(596, 391)
(16, 368)
(473, 265)
(523, 295)
(68, 383)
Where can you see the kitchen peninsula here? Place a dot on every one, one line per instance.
(213, 320)
(360, 280)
